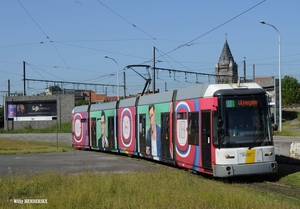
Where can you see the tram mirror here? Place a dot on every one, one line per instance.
(275, 127)
(272, 118)
(220, 131)
(215, 113)
(220, 122)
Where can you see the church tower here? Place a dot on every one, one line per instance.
(226, 67)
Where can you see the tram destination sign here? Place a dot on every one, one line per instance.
(241, 103)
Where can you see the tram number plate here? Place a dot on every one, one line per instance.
(250, 156)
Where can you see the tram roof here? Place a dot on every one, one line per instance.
(156, 98)
(191, 92)
(233, 88)
(128, 102)
(82, 108)
(104, 106)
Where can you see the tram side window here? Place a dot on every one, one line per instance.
(181, 116)
(142, 127)
(193, 128)
(165, 125)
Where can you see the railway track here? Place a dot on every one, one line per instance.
(277, 189)
(261, 184)
(296, 106)
(271, 184)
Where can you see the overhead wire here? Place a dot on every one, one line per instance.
(18, 45)
(36, 71)
(187, 44)
(34, 67)
(213, 29)
(9, 72)
(173, 60)
(161, 55)
(58, 67)
(106, 40)
(44, 34)
(84, 47)
(126, 20)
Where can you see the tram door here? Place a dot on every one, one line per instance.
(206, 139)
(93, 132)
(111, 133)
(165, 133)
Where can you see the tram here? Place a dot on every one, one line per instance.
(197, 128)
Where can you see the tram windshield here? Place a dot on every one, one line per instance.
(245, 122)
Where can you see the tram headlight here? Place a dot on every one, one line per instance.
(227, 156)
(269, 154)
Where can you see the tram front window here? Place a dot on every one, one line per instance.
(246, 123)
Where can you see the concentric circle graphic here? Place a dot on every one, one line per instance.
(182, 146)
(126, 119)
(78, 127)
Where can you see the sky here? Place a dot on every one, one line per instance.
(65, 42)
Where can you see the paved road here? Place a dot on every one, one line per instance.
(77, 160)
(62, 137)
(286, 139)
(66, 137)
(69, 162)
(73, 162)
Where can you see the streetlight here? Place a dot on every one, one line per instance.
(279, 68)
(117, 74)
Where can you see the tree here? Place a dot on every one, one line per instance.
(290, 89)
(81, 102)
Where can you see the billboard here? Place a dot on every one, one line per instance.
(29, 111)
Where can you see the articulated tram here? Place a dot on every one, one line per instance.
(196, 128)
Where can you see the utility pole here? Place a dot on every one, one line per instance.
(245, 69)
(24, 79)
(153, 70)
(124, 84)
(279, 76)
(8, 87)
(253, 71)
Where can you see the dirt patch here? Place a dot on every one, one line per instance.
(294, 122)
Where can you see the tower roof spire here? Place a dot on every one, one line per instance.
(226, 55)
(226, 66)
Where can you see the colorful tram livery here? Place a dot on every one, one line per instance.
(194, 128)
